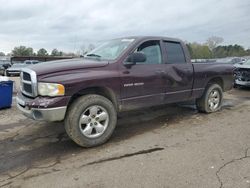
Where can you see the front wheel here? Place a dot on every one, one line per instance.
(90, 120)
(211, 100)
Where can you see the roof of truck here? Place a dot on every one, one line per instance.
(152, 38)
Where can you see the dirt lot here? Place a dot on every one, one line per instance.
(16, 85)
(170, 146)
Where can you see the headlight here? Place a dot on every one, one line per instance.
(50, 89)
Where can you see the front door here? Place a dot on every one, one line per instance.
(143, 84)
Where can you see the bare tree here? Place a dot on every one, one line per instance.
(83, 50)
(91, 47)
(212, 42)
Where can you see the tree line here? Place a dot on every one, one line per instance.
(211, 49)
(28, 51)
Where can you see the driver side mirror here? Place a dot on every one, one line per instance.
(136, 57)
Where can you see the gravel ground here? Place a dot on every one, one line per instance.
(169, 146)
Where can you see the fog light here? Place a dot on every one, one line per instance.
(37, 115)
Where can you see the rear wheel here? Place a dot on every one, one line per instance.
(90, 120)
(211, 100)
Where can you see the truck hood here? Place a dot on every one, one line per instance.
(66, 65)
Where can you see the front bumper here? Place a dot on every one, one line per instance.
(10, 72)
(242, 83)
(29, 108)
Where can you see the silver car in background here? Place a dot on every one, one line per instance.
(242, 74)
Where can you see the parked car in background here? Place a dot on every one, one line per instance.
(203, 60)
(15, 69)
(242, 74)
(120, 75)
(231, 60)
(3, 66)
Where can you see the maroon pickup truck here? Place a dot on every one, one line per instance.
(121, 74)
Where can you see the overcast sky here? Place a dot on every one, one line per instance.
(69, 24)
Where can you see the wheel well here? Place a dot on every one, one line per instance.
(105, 92)
(218, 81)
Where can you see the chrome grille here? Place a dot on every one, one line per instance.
(28, 82)
(27, 88)
(26, 76)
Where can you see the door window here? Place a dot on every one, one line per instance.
(152, 50)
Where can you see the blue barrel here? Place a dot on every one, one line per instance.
(6, 89)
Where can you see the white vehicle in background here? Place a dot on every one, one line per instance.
(242, 74)
(15, 69)
(231, 60)
(3, 66)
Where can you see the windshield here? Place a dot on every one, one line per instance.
(27, 62)
(110, 50)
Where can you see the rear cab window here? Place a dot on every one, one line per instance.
(174, 53)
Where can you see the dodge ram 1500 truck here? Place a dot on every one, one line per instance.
(119, 75)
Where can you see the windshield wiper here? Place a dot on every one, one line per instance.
(93, 55)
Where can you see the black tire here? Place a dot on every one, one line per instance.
(74, 113)
(202, 103)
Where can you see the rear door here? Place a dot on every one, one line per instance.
(143, 84)
(179, 73)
